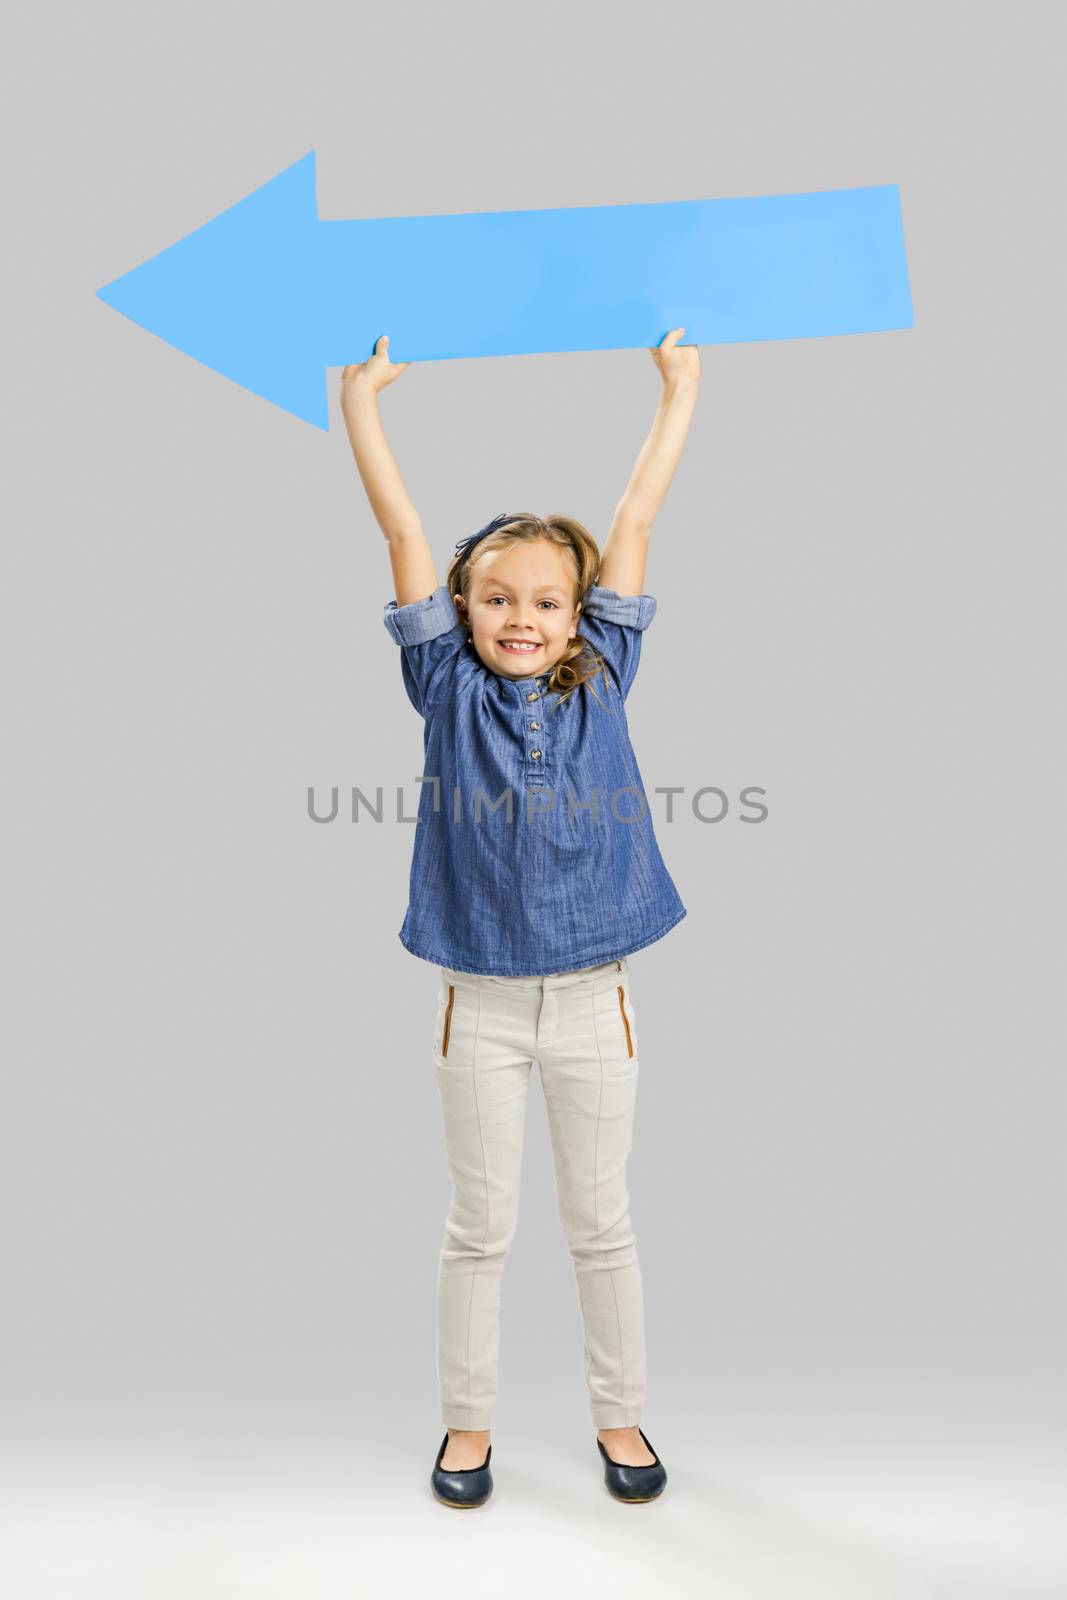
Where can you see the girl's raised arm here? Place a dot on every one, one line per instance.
(622, 565)
(414, 573)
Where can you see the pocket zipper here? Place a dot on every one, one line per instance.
(448, 1018)
(625, 1022)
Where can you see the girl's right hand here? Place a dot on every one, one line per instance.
(373, 374)
(677, 363)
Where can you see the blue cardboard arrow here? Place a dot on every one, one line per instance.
(270, 296)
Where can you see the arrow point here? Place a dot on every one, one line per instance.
(240, 294)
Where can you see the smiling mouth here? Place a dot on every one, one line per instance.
(519, 647)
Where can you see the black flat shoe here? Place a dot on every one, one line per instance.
(633, 1483)
(461, 1486)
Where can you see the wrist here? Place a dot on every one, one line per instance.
(357, 391)
(684, 387)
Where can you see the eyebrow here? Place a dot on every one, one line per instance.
(546, 588)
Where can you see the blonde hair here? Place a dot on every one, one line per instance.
(579, 663)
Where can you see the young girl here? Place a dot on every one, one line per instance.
(536, 874)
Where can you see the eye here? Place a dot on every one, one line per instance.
(551, 603)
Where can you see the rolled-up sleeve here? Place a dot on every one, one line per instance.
(613, 624)
(431, 636)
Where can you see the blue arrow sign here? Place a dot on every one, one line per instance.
(270, 296)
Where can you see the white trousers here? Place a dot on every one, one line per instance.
(580, 1028)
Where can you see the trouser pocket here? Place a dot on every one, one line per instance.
(446, 1027)
(626, 1019)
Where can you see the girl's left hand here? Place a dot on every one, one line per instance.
(677, 363)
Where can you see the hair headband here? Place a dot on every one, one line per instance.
(467, 545)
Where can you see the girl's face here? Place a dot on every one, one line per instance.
(522, 594)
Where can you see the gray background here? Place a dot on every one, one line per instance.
(223, 1166)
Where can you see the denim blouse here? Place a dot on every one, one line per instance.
(534, 850)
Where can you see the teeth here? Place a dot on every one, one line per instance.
(514, 644)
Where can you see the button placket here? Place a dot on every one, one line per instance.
(532, 745)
